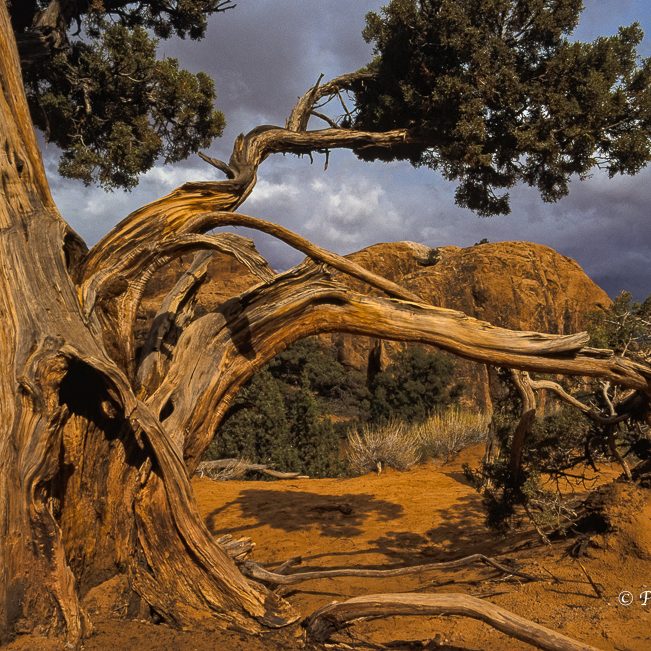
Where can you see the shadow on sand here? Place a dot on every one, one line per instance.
(460, 533)
(337, 516)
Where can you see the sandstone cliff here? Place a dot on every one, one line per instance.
(517, 285)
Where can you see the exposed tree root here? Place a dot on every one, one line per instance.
(282, 578)
(328, 620)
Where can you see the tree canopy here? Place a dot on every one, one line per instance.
(97, 89)
(496, 93)
(492, 92)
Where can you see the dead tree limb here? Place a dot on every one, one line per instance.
(209, 468)
(170, 315)
(328, 620)
(177, 213)
(119, 295)
(523, 428)
(563, 395)
(610, 421)
(239, 549)
(282, 578)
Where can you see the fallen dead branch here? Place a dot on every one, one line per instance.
(328, 620)
(257, 572)
(595, 586)
(233, 468)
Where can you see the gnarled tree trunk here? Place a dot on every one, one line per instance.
(90, 485)
(96, 446)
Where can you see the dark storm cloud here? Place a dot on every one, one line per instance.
(265, 53)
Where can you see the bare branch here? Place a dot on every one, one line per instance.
(571, 400)
(300, 114)
(180, 212)
(277, 578)
(239, 466)
(151, 369)
(326, 119)
(218, 352)
(335, 616)
(219, 164)
(524, 425)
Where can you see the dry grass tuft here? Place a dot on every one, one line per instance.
(400, 445)
(392, 444)
(445, 433)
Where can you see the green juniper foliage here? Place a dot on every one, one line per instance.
(280, 415)
(498, 95)
(312, 435)
(283, 415)
(97, 89)
(309, 364)
(257, 427)
(414, 384)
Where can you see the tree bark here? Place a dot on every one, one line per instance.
(523, 428)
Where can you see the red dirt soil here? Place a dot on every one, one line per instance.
(427, 514)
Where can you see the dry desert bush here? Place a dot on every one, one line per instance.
(445, 433)
(399, 444)
(393, 444)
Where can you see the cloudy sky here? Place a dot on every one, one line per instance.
(265, 53)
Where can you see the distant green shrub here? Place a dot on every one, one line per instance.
(312, 365)
(313, 436)
(414, 384)
(433, 256)
(277, 419)
(256, 427)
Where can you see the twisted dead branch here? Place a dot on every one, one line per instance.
(255, 571)
(331, 618)
(233, 468)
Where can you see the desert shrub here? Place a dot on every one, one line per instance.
(313, 436)
(393, 443)
(279, 424)
(557, 441)
(556, 444)
(310, 364)
(433, 256)
(413, 385)
(446, 432)
(279, 416)
(256, 427)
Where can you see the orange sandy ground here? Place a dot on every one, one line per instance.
(424, 515)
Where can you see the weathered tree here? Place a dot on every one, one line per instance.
(97, 445)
